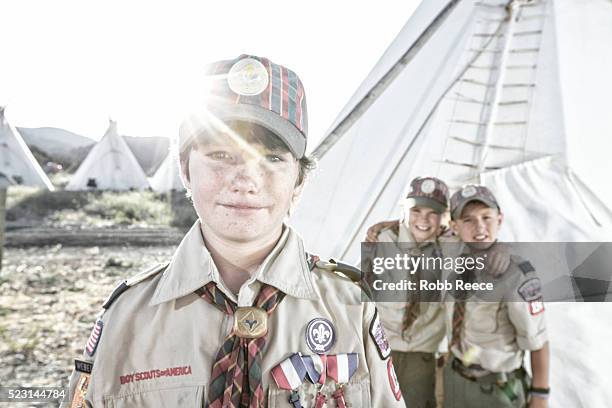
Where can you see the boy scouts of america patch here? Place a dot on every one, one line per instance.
(320, 335)
(393, 382)
(530, 290)
(248, 77)
(377, 332)
(94, 338)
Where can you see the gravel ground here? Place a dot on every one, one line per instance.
(49, 299)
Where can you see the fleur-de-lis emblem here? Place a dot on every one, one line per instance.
(321, 335)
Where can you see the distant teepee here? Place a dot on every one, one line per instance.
(167, 177)
(17, 164)
(110, 165)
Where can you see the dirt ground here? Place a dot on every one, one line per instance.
(49, 299)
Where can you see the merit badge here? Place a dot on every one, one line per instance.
(393, 382)
(94, 338)
(468, 191)
(530, 290)
(320, 335)
(289, 375)
(250, 322)
(341, 368)
(536, 307)
(248, 77)
(316, 373)
(377, 332)
(428, 186)
(316, 368)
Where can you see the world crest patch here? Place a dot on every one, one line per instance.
(320, 335)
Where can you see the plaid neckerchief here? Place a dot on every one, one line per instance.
(236, 374)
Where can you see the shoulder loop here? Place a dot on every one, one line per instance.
(347, 270)
(526, 267)
(125, 285)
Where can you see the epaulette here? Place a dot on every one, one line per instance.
(126, 284)
(347, 270)
(524, 265)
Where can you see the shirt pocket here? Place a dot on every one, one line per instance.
(171, 397)
(356, 395)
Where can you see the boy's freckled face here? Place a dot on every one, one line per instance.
(239, 194)
(478, 225)
(423, 223)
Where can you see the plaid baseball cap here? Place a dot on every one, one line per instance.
(253, 89)
(428, 192)
(469, 193)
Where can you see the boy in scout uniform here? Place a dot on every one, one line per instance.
(242, 316)
(416, 329)
(417, 332)
(490, 331)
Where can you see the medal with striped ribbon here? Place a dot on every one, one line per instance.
(341, 368)
(289, 375)
(316, 373)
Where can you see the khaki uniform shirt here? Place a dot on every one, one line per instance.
(496, 333)
(427, 333)
(159, 340)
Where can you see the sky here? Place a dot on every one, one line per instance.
(74, 64)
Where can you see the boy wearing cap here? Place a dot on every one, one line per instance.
(242, 316)
(490, 332)
(416, 329)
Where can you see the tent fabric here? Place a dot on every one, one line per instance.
(167, 177)
(110, 165)
(19, 167)
(493, 96)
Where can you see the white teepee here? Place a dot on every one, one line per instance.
(167, 177)
(511, 94)
(110, 165)
(17, 164)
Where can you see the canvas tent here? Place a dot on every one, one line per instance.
(511, 94)
(18, 164)
(167, 177)
(110, 165)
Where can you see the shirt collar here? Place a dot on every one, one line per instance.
(192, 267)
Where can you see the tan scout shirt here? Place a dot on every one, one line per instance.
(427, 333)
(159, 339)
(495, 334)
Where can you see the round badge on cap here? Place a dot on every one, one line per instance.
(428, 186)
(468, 191)
(248, 77)
(320, 335)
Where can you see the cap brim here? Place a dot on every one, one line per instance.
(426, 202)
(293, 138)
(457, 211)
